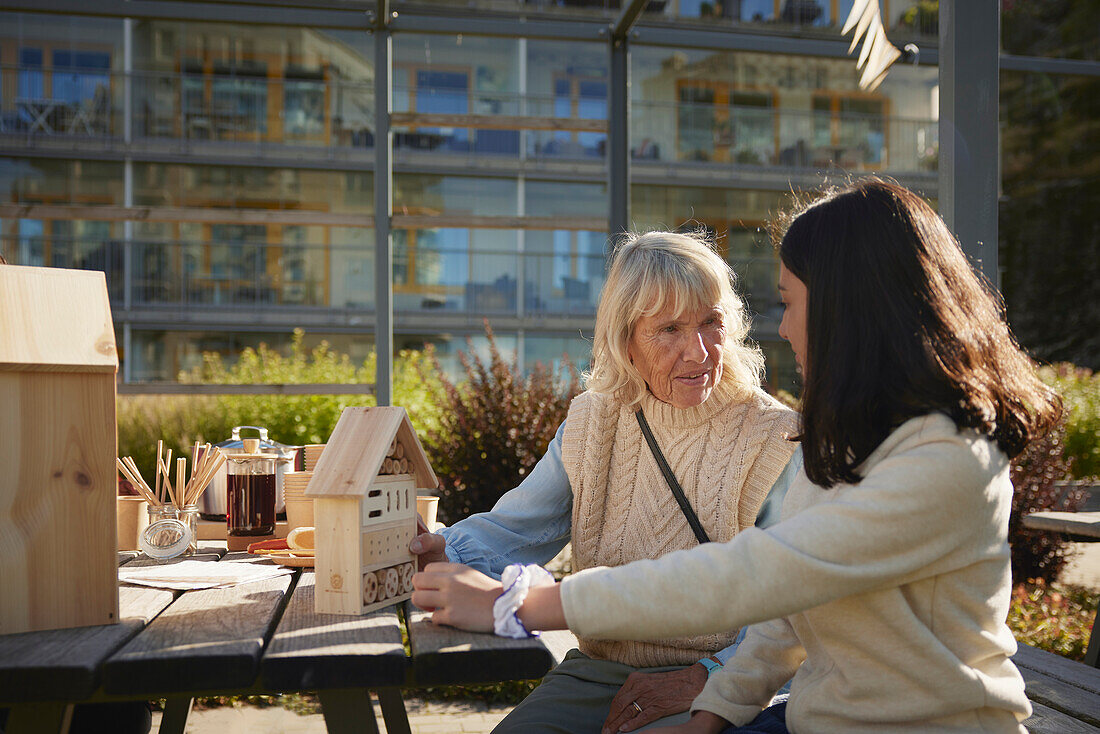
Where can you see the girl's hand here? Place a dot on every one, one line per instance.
(456, 595)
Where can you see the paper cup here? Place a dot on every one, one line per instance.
(133, 518)
(426, 507)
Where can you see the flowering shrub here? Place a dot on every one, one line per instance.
(1039, 554)
(1053, 618)
(493, 428)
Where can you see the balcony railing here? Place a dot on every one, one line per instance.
(335, 114)
(242, 275)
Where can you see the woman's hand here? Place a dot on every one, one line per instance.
(456, 595)
(657, 694)
(701, 722)
(428, 547)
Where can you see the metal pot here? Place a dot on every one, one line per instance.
(213, 503)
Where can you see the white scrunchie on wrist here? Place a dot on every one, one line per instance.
(518, 580)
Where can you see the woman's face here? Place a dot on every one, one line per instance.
(793, 294)
(680, 355)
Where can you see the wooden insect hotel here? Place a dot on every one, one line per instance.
(364, 510)
(58, 562)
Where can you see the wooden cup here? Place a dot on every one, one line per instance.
(133, 518)
(299, 513)
(426, 507)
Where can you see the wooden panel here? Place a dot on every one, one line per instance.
(56, 319)
(1045, 720)
(57, 500)
(337, 533)
(387, 544)
(207, 640)
(63, 665)
(443, 655)
(390, 499)
(311, 651)
(1065, 685)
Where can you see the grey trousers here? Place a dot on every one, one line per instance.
(574, 698)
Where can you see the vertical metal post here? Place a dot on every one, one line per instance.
(969, 170)
(127, 191)
(383, 209)
(618, 137)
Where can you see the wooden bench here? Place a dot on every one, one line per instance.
(1064, 693)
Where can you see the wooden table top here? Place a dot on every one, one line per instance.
(257, 637)
(1086, 525)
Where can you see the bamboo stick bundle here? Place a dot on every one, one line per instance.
(202, 475)
(130, 471)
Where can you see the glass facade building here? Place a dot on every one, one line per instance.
(221, 172)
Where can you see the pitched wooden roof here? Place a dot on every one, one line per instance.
(357, 447)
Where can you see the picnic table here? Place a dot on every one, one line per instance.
(255, 638)
(1079, 527)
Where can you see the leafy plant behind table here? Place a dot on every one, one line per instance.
(1038, 554)
(493, 427)
(290, 419)
(1052, 617)
(1080, 390)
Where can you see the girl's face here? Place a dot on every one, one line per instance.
(793, 294)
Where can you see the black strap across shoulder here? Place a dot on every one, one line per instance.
(677, 491)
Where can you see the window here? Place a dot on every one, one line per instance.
(582, 97)
(849, 130)
(31, 78)
(719, 122)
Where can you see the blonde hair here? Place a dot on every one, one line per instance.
(656, 270)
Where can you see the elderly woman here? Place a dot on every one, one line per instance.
(670, 348)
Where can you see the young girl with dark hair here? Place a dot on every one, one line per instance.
(885, 586)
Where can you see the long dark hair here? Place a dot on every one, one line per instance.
(899, 326)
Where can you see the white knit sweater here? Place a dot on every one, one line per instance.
(888, 597)
(726, 454)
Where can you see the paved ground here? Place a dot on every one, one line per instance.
(451, 718)
(424, 718)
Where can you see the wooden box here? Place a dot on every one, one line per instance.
(58, 563)
(364, 510)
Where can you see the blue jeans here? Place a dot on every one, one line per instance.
(772, 720)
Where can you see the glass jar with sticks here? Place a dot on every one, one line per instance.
(173, 513)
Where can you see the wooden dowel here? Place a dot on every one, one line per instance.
(181, 476)
(167, 475)
(156, 470)
(206, 476)
(138, 484)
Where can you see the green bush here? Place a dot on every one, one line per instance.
(493, 428)
(1080, 390)
(290, 419)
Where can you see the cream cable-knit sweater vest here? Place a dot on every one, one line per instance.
(726, 456)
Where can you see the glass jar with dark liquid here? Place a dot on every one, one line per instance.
(250, 493)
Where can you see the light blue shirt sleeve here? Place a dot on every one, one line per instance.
(768, 515)
(529, 524)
